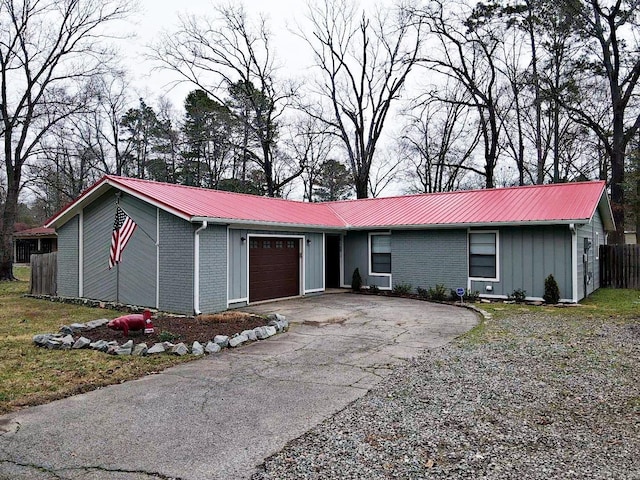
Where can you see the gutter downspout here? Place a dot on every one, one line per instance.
(574, 262)
(196, 268)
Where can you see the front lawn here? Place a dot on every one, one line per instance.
(30, 375)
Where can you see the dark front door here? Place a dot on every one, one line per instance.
(274, 268)
(332, 259)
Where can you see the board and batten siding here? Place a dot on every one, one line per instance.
(426, 258)
(356, 255)
(594, 231)
(213, 269)
(238, 266)
(314, 262)
(136, 281)
(68, 267)
(527, 256)
(176, 264)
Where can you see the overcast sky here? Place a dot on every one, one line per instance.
(158, 15)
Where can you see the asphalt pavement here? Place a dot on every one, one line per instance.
(221, 416)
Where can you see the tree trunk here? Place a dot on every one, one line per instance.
(9, 215)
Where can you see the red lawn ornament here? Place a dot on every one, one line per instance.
(133, 321)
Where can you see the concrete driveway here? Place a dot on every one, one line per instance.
(221, 416)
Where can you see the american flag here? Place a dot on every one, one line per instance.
(123, 228)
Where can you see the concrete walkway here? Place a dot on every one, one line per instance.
(221, 416)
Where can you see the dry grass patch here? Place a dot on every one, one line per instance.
(221, 317)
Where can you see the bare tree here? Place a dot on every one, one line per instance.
(467, 53)
(364, 63)
(228, 56)
(613, 51)
(311, 146)
(48, 51)
(439, 141)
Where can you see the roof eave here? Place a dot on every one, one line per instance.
(606, 213)
(239, 223)
(98, 189)
(423, 226)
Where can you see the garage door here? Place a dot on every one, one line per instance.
(274, 268)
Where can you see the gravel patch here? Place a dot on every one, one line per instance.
(532, 397)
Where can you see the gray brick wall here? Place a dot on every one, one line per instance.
(213, 269)
(176, 264)
(68, 258)
(425, 258)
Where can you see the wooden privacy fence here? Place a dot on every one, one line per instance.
(620, 266)
(44, 273)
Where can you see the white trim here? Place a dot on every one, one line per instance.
(157, 258)
(371, 273)
(342, 283)
(481, 279)
(196, 268)
(240, 224)
(228, 251)
(597, 245)
(301, 239)
(574, 262)
(314, 290)
(237, 300)
(324, 262)
(528, 299)
(81, 253)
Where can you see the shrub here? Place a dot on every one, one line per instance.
(402, 289)
(374, 289)
(356, 280)
(166, 336)
(439, 293)
(551, 290)
(471, 296)
(518, 295)
(423, 293)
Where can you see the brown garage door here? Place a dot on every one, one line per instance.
(274, 268)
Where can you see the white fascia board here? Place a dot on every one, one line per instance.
(442, 226)
(262, 225)
(99, 189)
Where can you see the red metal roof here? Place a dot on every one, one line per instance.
(559, 203)
(539, 203)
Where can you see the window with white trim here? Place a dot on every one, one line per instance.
(483, 259)
(380, 253)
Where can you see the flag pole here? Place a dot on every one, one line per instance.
(118, 194)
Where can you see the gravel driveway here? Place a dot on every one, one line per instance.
(548, 397)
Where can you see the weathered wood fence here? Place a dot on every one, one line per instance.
(44, 273)
(620, 266)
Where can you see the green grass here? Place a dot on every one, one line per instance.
(604, 303)
(30, 375)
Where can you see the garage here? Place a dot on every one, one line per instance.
(274, 268)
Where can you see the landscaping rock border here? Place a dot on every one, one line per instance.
(64, 340)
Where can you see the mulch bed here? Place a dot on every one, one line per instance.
(184, 329)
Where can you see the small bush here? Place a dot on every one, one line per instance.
(423, 293)
(439, 293)
(166, 336)
(551, 290)
(356, 280)
(471, 296)
(374, 289)
(518, 295)
(402, 289)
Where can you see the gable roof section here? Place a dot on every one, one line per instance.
(541, 204)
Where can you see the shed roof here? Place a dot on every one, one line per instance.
(36, 232)
(540, 204)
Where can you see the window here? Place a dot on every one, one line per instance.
(482, 255)
(380, 253)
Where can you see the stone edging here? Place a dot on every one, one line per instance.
(64, 340)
